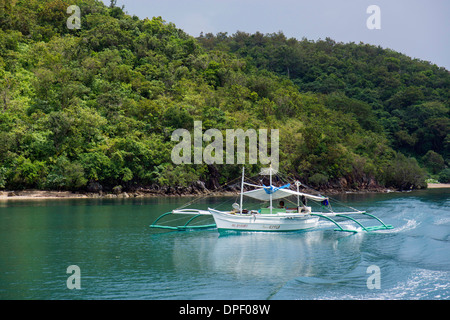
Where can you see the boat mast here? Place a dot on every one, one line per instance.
(297, 183)
(242, 188)
(270, 196)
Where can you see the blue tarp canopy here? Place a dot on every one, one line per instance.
(272, 189)
(264, 192)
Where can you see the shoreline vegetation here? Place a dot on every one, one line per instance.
(175, 192)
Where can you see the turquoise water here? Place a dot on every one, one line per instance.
(120, 257)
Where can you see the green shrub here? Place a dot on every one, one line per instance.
(444, 176)
(27, 173)
(318, 180)
(2, 177)
(404, 174)
(66, 175)
(434, 161)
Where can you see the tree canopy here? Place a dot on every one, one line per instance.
(99, 104)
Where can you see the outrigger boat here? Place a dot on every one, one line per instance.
(281, 218)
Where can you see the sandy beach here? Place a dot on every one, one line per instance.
(38, 194)
(438, 185)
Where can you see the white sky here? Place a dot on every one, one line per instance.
(417, 28)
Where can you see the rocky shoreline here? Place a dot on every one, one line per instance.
(161, 192)
(197, 189)
(48, 194)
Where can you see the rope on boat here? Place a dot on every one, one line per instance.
(207, 194)
(331, 198)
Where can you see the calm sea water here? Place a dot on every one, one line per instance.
(120, 257)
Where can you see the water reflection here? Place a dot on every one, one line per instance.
(269, 255)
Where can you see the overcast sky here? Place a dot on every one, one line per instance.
(417, 28)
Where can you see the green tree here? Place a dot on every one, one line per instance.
(434, 161)
(444, 176)
(404, 173)
(27, 173)
(66, 175)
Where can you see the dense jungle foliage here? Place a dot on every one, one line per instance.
(96, 106)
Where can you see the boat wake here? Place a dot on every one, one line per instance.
(410, 224)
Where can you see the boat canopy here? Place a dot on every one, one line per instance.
(264, 193)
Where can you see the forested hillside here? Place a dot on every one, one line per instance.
(97, 106)
(409, 98)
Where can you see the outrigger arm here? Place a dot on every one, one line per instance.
(383, 226)
(197, 213)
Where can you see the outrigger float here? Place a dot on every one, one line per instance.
(271, 219)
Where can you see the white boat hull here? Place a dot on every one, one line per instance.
(263, 222)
